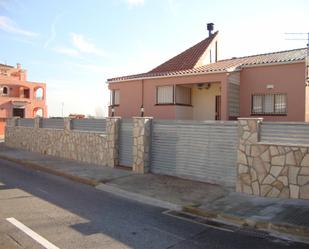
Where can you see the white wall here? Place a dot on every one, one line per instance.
(204, 102)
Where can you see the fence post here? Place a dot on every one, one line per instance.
(12, 122)
(112, 132)
(141, 144)
(248, 134)
(67, 124)
(37, 122)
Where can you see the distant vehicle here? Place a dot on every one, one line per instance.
(77, 116)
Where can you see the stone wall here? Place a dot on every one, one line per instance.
(89, 147)
(270, 170)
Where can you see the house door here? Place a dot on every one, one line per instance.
(218, 107)
(19, 112)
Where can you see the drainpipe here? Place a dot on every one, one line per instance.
(307, 63)
(142, 106)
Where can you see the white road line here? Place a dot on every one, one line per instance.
(38, 238)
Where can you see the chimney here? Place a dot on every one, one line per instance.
(18, 65)
(210, 28)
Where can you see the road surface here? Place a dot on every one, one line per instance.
(38, 210)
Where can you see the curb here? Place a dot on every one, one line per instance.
(283, 230)
(39, 167)
(138, 197)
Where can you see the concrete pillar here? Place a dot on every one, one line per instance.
(141, 144)
(224, 99)
(112, 132)
(248, 134)
(67, 124)
(12, 122)
(37, 122)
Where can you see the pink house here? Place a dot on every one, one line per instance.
(196, 85)
(19, 97)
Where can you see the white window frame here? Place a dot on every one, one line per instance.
(114, 100)
(187, 99)
(161, 101)
(8, 91)
(271, 104)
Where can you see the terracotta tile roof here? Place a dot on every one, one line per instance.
(7, 66)
(228, 64)
(187, 59)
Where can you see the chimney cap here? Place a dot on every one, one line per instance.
(210, 28)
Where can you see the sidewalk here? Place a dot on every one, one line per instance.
(284, 217)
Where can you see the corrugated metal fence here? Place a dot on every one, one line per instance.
(204, 151)
(96, 125)
(93, 125)
(53, 123)
(126, 142)
(26, 122)
(285, 132)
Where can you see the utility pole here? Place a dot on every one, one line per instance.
(307, 56)
(62, 105)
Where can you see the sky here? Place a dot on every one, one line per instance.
(75, 46)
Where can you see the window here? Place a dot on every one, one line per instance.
(269, 104)
(178, 95)
(183, 95)
(5, 90)
(165, 95)
(39, 93)
(115, 97)
(27, 94)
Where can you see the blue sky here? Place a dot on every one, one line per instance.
(74, 46)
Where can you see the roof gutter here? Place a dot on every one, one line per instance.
(273, 64)
(166, 76)
(228, 70)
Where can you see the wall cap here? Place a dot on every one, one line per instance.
(283, 144)
(143, 117)
(258, 119)
(113, 118)
(250, 118)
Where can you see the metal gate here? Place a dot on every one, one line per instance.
(197, 150)
(126, 142)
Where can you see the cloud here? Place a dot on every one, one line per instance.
(7, 25)
(85, 46)
(53, 33)
(135, 2)
(67, 51)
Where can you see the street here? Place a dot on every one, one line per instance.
(38, 210)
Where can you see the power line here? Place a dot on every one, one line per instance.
(307, 57)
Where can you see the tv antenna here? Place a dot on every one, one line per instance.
(300, 37)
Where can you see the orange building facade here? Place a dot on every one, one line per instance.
(19, 97)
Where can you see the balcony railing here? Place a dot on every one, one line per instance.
(23, 97)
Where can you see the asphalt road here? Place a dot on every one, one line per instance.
(72, 215)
